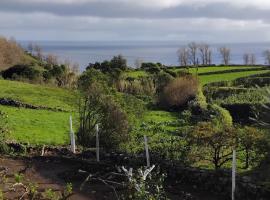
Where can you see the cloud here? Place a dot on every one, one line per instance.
(232, 9)
(210, 20)
(43, 25)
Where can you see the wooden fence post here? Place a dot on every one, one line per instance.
(72, 136)
(146, 151)
(233, 174)
(97, 142)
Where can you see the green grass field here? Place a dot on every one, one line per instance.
(37, 95)
(205, 79)
(216, 69)
(37, 126)
(208, 78)
(49, 127)
(135, 74)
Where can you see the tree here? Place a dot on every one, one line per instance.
(214, 141)
(225, 54)
(205, 53)
(251, 139)
(267, 56)
(193, 50)
(210, 57)
(246, 59)
(119, 62)
(183, 56)
(252, 59)
(249, 59)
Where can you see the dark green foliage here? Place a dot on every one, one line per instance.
(115, 66)
(21, 72)
(114, 127)
(254, 144)
(91, 76)
(4, 130)
(133, 106)
(151, 67)
(119, 62)
(161, 79)
(214, 141)
(171, 72)
(97, 106)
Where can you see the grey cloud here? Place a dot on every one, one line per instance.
(127, 10)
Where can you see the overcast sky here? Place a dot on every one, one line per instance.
(182, 20)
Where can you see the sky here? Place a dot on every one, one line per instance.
(216, 21)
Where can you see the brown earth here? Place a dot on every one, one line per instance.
(55, 172)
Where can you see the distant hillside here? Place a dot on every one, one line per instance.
(11, 53)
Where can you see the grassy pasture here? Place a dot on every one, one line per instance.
(215, 69)
(135, 74)
(37, 126)
(205, 79)
(37, 95)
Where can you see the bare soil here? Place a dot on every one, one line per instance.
(55, 172)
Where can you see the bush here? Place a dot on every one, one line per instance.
(161, 79)
(114, 126)
(199, 103)
(97, 107)
(21, 72)
(151, 67)
(178, 92)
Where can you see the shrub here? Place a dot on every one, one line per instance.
(222, 115)
(199, 103)
(97, 107)
(21, 72)
(114, 127)
(161, 79)
(151, 67)
(178, 92)
(92, 76)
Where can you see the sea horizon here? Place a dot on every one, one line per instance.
(165, 52)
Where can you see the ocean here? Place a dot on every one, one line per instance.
(164, 52)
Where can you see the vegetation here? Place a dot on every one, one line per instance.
(10, 53)
(38, 95)
(37, 126)
(178, 92)
(4, 130)
(191, 114)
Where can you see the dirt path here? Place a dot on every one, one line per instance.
(54, 173)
